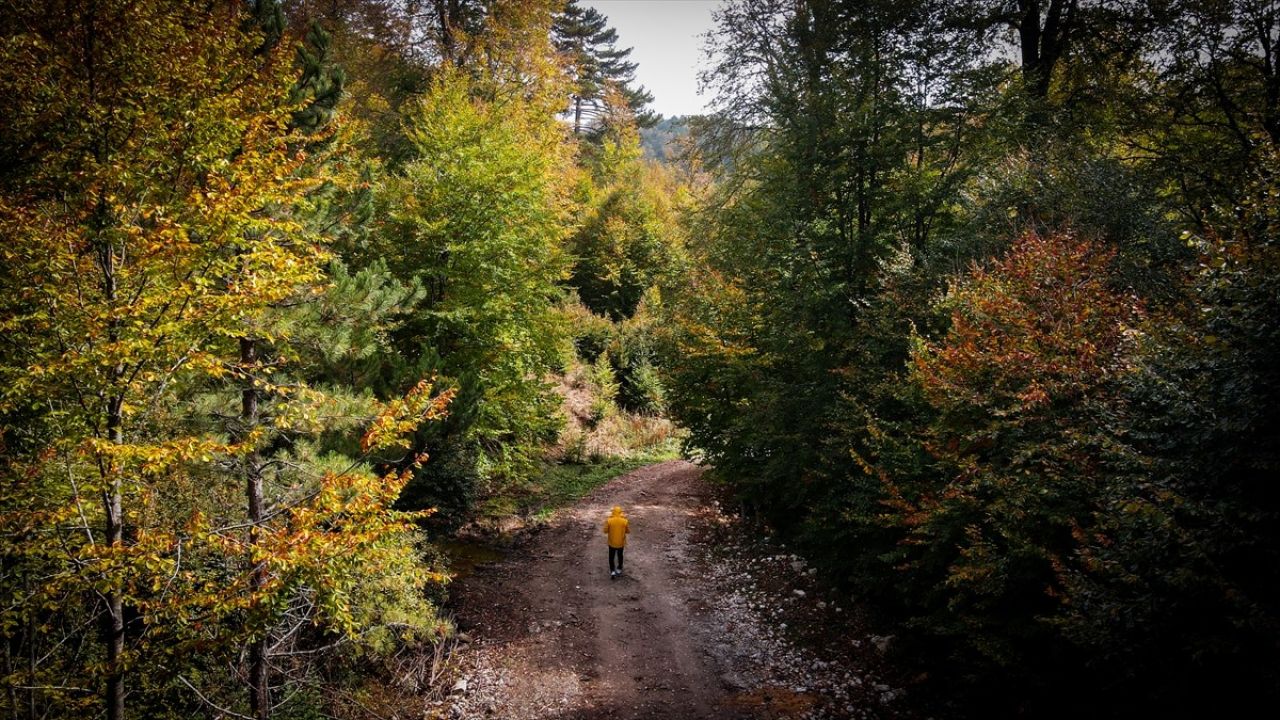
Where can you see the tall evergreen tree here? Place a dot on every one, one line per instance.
(597, 65)
(321, 83)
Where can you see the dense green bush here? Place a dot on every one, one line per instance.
(591, 333)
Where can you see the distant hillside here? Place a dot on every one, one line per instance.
(660, 141)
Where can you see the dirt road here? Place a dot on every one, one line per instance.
(578, 644)
(677, 637)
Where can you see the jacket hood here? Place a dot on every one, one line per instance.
(617, 510)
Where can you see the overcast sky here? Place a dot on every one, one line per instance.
(666, 37)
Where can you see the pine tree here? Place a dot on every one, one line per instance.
(598, 67)
(321, 83)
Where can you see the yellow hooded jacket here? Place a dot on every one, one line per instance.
(616, 528)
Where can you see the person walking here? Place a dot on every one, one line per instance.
(616, 527)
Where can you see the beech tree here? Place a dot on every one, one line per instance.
(145, 205)
(1022, 385)
(478, 221)
(137, 241)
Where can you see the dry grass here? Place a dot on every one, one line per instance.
(596, 430)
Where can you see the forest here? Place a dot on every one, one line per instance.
(970, 301)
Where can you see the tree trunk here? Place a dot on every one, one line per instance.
(1029, 43)
(1043, 45)
(1270, 77)
(112, 502)
(114, 634)
(113, 630)
(259, 675)
(449, 13)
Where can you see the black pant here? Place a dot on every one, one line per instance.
(613, 551)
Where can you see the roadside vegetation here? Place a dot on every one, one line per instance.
(981, 319)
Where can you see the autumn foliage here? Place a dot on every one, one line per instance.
(150, 209)
(1021, 387)
(978, 322)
